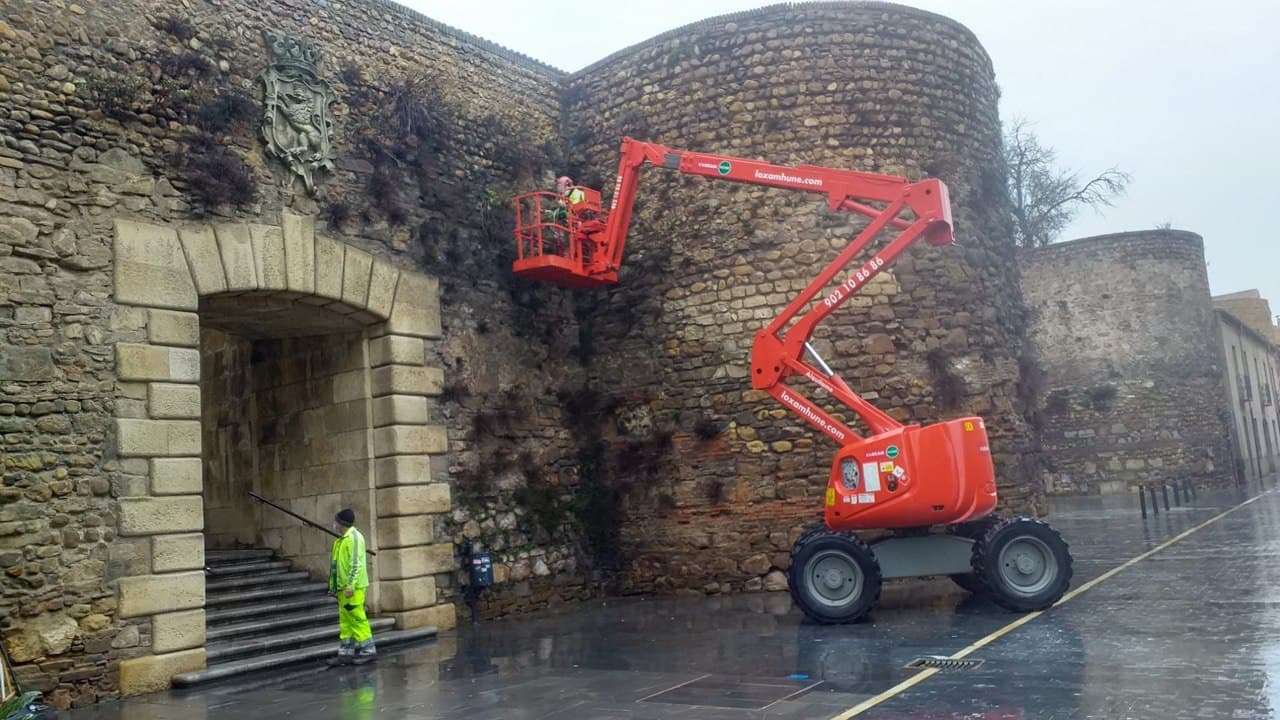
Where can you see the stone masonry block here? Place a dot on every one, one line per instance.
(167, 327)
(150, 594)
(177, 552)
(157, 516)
(268, 256)
(407, 380)
(411, 562)
(355, 277)
(396, 350)
(402, 470)
(299, 251)
(135, 361)
(329, 261)
(400, 409)
(176, 476)
(382, 289)
(407, 531)
(181, 630)
(442, 617)
(152, 673)
(157, 438)
(349, 386)
(409, 440)
(413, 500)
(236, 247)
(201, 248)
(171, 400)
(400, 595)
(417, 307)
(150, 267)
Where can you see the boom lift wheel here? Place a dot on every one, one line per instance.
(973, 530)
(834, 577)
(1023, 563)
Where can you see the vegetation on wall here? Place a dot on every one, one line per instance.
(176, 83)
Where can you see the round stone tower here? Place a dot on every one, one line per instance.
(1123, 330)
(867, 86)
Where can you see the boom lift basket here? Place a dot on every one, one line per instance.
(560, 241)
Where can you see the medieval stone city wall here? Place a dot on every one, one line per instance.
(101, 106)
(717, 480)
(1132, 366)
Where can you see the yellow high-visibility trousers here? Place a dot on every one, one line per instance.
(353, 623)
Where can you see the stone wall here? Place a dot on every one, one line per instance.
(720, 479)
(228, 442)
(98, 101)
(1132, 390)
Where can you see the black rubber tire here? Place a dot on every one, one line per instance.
(969, 583)
(974, 529)
(821, 542)
(987, 557)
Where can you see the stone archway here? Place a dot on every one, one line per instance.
(163, 276)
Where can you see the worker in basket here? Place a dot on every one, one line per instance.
(566, 196)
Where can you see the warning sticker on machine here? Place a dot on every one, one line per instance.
(899, 472)
(870, 477)
(886, 467)
(831, 497)
(866, 498)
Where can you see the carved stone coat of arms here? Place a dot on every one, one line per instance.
(297, 125)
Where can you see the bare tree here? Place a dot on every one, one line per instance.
(1046, 198)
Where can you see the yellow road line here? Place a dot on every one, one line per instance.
(914, 680)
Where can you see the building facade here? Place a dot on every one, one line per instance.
(1251, 358)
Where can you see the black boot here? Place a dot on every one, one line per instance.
(338, 660)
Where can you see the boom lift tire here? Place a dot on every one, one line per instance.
(1023, 563)
(834, 576)
(973, 530)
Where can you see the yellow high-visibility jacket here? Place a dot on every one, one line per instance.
(347, 567)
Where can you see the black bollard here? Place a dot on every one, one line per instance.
(1164, 490)
(1142, 502)
(1177, 493)
(1154, 505)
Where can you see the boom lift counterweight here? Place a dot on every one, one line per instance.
(905, 478)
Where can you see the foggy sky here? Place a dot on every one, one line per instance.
(1183, 96)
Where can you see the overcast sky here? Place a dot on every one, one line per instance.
(1184, 96)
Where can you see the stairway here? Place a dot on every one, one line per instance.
(261, 614)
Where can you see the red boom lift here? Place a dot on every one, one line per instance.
(908, 479)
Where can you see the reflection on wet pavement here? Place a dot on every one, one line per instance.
(1187, 633)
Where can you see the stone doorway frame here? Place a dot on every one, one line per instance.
(160, 274)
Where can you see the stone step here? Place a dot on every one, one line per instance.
(224, 651)
(264, 610)
(311, 615)
(247, 568)
(290, 590)
(275, 579)
(219, 557)
(307, 654)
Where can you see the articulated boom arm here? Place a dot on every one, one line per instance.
(779, 351)
(780, 348)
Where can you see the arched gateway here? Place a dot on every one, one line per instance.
(317, 385)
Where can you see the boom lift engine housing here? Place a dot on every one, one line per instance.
(932, 486)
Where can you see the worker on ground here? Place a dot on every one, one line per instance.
(348, 580)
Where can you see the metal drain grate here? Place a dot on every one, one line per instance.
(944, 664)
